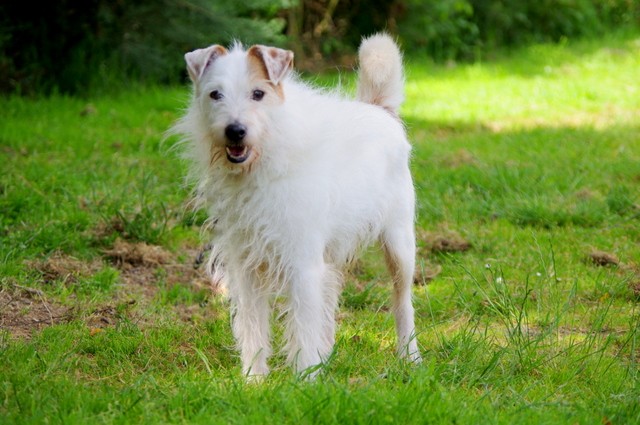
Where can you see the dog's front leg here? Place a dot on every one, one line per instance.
(310, 318)
(250, 320)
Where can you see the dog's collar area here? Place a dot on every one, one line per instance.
(237, 154)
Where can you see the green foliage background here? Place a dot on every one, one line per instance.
(467, 29)
(72, 46)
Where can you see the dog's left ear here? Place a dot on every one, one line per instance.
(275, 63)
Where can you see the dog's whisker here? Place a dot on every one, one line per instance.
(215, 156)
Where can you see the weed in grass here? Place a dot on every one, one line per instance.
(102, 281)
(368, 296)
(181, 294)
(144, 221)
(620, 201)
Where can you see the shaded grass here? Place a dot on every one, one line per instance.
(532, 159)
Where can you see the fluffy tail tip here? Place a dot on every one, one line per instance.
(381, 78)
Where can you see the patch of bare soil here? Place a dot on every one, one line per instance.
(442, 241)
(142, 266)
(102, 317)
(635, 288)
(602, 258)
(64, 268)
(446, 241)
(459, 158)
(25, 310)
(125, 254)
(425, 274)
(630, 271)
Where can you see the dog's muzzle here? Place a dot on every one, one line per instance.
(237, 150)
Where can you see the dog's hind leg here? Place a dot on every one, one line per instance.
(250, 322)
(398, 243)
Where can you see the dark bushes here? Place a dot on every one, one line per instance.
(73, 46)
(465, 29)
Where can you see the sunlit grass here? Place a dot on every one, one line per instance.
(589, 84)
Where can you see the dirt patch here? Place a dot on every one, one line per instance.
(602, 258)
(587, 194)
(143, 270)
(139, 264)
(446, 241)
(137, 254)
(635, 289)
(26, 310)
(63, 268)
(103, 317)
(459, 158)
(425, 274)
(108, 315)
(144, 265)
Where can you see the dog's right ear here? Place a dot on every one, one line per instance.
(200, 59)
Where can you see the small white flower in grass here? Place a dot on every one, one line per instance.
(538, 274)
(499, 279)
(487, 266)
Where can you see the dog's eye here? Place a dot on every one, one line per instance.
(257, 95)
(216, 95)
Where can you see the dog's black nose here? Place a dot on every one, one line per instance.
(235, 132)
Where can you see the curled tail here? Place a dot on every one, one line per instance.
(381, 80)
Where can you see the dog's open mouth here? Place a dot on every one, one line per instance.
(238, 153)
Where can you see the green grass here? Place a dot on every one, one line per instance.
(533, 159)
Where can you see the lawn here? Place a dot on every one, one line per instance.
(527, 171)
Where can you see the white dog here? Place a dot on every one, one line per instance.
(297, 180)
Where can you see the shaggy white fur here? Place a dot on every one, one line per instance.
(297, 180)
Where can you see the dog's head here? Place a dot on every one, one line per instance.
(236, 91)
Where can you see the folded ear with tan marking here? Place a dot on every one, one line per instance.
(200, 59)
(276, 62)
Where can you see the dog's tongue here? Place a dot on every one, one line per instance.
(235, 150)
